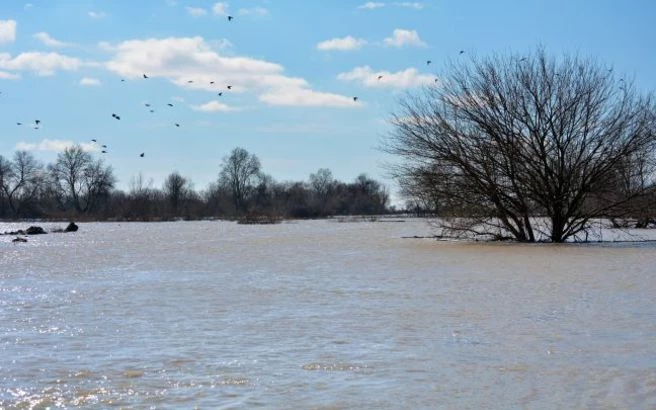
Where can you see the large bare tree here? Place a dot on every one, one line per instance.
(177, 189)
(528, 147)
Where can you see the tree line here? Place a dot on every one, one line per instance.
(79, 186)
(528, 147)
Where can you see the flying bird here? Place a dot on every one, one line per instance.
(190, 81)
(177, 125)
(116, 116)
(145, 76)
(211, 82)
(104, 146)
(230, 18)
(19, 123)
(147, 105)
(142, 154)
(122, 80)
(462, 52)
(104, 152)
(94, 140)
(152, 110)
(37, 122)
(355, 99)
(380, 76)
(428, 62)
(170, 105)
(229, 87)
(220, 94)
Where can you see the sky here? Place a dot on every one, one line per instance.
(294, 68)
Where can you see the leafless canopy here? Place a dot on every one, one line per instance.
(526, 147)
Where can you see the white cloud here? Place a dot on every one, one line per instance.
(407, 78)
(220, 9)
(43, 64)
(307, 98)
(185, 59)
(28, 6)
(410, 5)
(88, 81)
(402, 38)
(97, 14)
(7, 31)
(214, 106)
(53, 146)
(196, 11)
(370, 5)
(342, 44)
(47, 40)
(255, 11)
(8, 76)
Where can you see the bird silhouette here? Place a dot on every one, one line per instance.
(355, 99)
(147, 105)
(229, 87)
(428, 62)
(94, 140)
(152, 110)
(462, 52)
(523, 59)
(122, 80)
(104, 152)
(37, 122)
(380, 76)
(142, 154)
(230, 18)
(211, 82)
(116, 116)
(177, 125)
(19, 123)
(145, 76)
(104, 146)
(170, 105)
(220, 94)
(190, 81)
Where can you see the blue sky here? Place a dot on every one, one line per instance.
(294, 67)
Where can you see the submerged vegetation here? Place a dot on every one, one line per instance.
(81, 187)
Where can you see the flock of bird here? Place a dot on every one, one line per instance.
(145, 76)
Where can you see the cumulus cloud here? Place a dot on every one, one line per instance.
(213, 106)
(88, 82)
(305, 97)
(53, 146)
(401, 38)
(407, 78)
(97, 14)
(47, 40)
(220, 9)
(8, 76)
(410, 5)
(7, 31)
(44, 64)
(255, 11)
(179, 59)
(371, 5)
(196, 11)
(342, 44)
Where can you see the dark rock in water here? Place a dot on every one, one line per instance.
(18, 232)
(19, 239)
(35, 230)
(72, 227)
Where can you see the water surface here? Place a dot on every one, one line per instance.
(321, 315)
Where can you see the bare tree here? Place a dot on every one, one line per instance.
(176, 189)
(509, 138)
(20, 180)
(322, 183)
(79, 179)
(240, 173)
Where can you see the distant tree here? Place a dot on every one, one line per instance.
(506, 139)
(239, 173)
(79, 179)
(176, 190)
(20, 180)
(322, 183)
